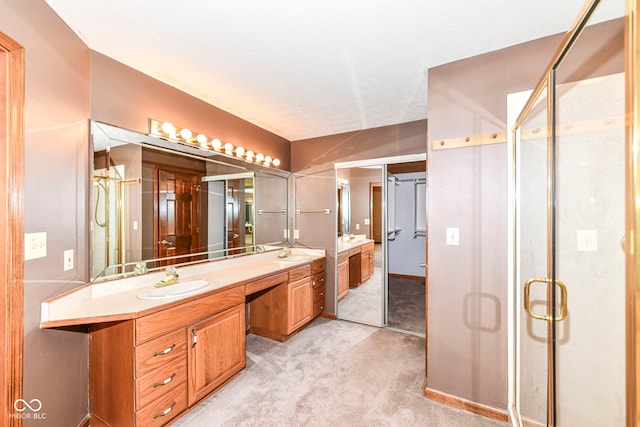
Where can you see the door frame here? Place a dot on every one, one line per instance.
(12, 90)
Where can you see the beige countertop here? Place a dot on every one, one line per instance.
(347, 245)
(118, 299)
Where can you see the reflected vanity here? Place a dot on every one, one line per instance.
(157, 202)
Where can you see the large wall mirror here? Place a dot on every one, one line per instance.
(156, 203)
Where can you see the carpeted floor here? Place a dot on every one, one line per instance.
(332, 373)
(407, 301)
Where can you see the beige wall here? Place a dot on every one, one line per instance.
(386, 141)
(467, 339)
(124, 97)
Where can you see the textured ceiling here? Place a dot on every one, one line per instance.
(308, 68)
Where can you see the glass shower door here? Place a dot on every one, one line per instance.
(569, 195)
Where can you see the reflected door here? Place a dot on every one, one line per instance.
(178, 213)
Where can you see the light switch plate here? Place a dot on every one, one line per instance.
(68, 260)
(587, 240)
(453, 236)
(366, 221)
(35, 245)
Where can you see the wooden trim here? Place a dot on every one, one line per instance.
(466, 405)
(632, 214)
(12, 217)
(406, 276)
(327, 315)
(86, 421)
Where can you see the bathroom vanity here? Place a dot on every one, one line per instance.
(155, 352)
(355, 263)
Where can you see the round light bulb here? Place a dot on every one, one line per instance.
(168, 128)
(276, 162)
(186, 134)
(216, 143)
(267, 160)
(249, 155)
(202, 140)
(228, 147)
(259, 157)
(239, 151)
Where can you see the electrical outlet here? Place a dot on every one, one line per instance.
(357, 226)
(35, 245)
(68, 260)
(296, 234)
(286, 233)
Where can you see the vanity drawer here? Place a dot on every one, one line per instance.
(343, 257)
(164, 409)
(318, 308)
(299, 273)
(317, 281)
(153, 353)
(267, 282)
(160, 381)
(157, 324)
(367, 247)
(317, 266)
(318, 294)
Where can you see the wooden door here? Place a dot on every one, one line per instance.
(235, 216)
(177, 196)
(376, 212)
(300, 302)
(343, 278)
(216, 352)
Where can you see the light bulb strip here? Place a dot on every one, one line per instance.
(170, 132)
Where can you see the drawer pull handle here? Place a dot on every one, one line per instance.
(165, 351)
(165, 412)
(165, 382)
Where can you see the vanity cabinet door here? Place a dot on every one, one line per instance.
(216, 351)
(300, 303)
(343, 275)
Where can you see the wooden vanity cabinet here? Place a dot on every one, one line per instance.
(318, 278)
(216, 351)
(279, 312)
(146, 371)
(367, 262)
(343, 275)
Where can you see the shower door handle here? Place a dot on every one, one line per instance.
(423, 265)
(563, 299)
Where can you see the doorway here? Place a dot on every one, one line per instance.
(381, 279)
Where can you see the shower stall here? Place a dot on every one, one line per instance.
(567, 329)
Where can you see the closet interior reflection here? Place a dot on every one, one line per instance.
(381, 243)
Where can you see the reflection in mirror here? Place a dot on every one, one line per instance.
(157, 203)
(344, 206)
(360, 256)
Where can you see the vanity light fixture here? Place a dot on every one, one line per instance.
(168, 131)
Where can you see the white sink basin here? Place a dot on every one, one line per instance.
(294, 258)
(180, 289)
